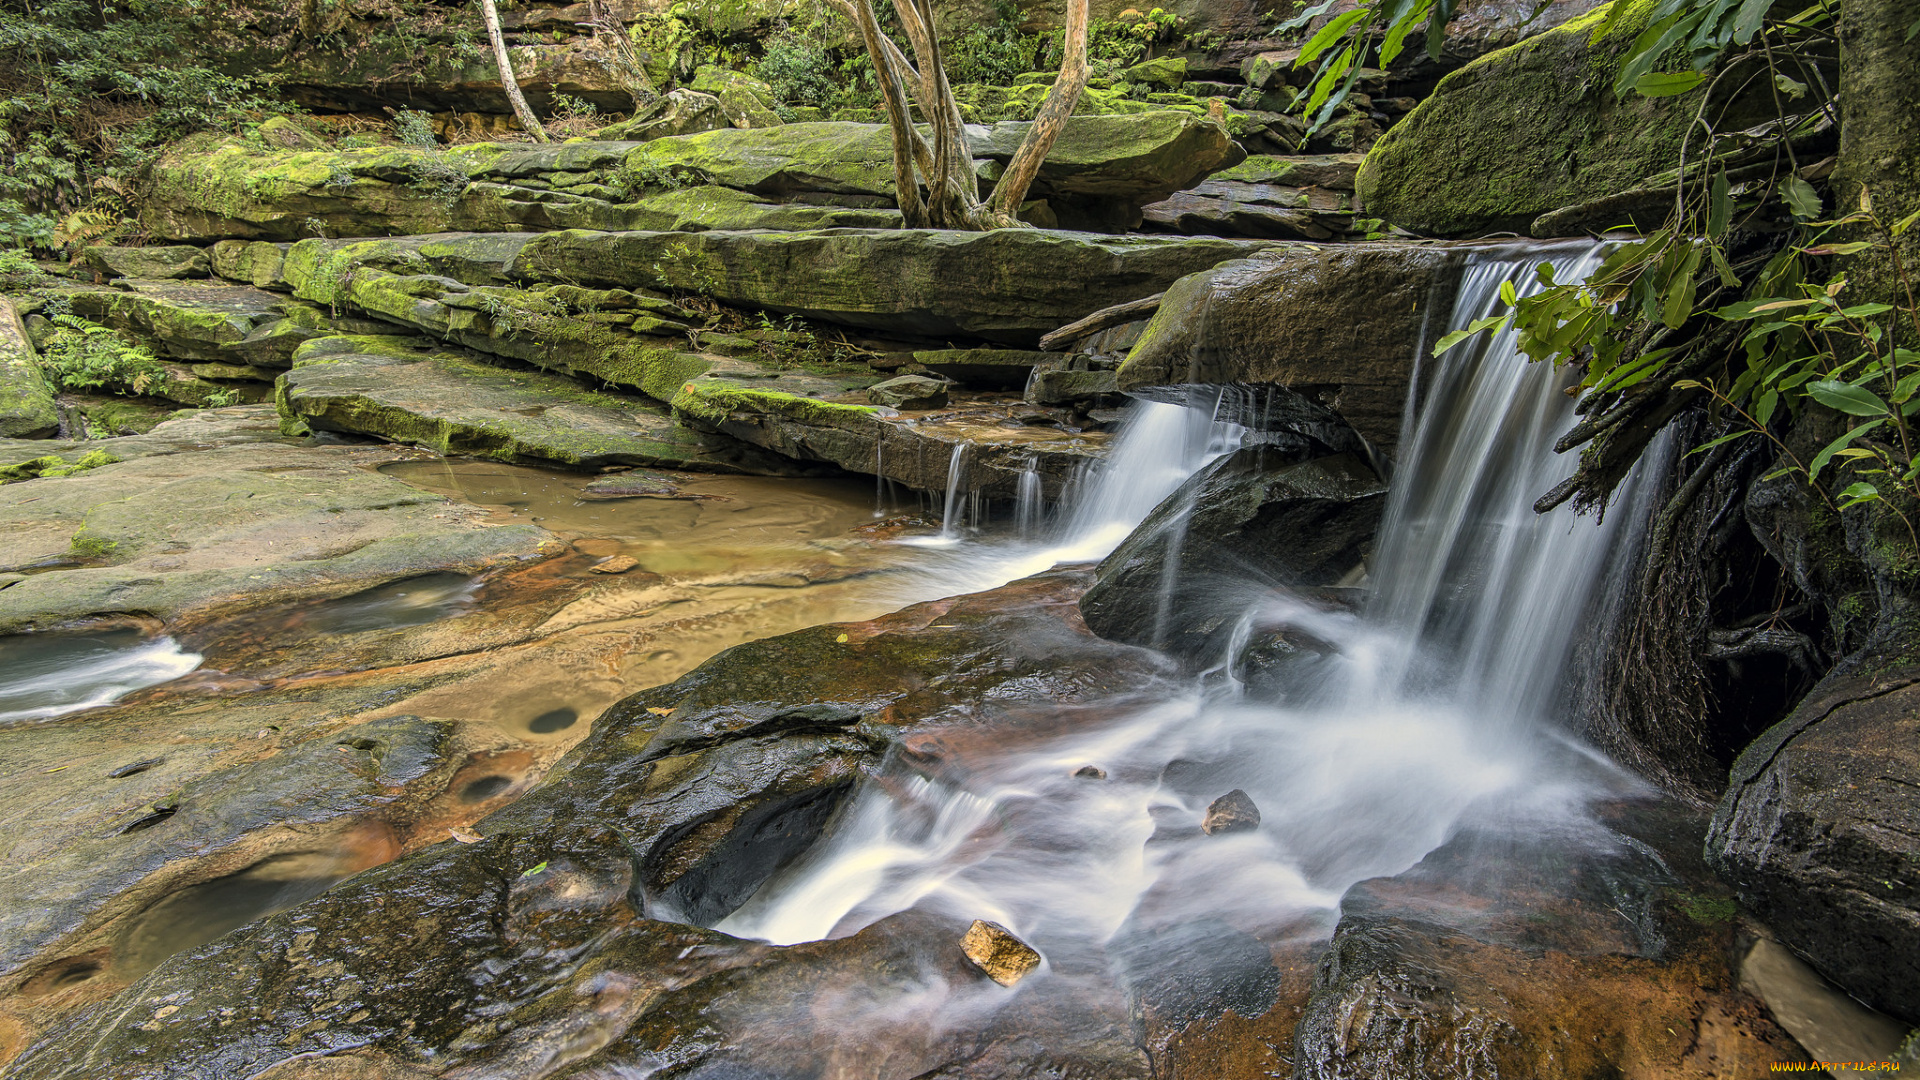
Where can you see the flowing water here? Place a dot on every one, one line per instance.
(1443, 697)
(47, 675)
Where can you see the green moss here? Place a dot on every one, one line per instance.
(1524, 130)
(713, 400)
(91, 545)
(1707, 910)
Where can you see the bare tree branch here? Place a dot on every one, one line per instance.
(507, 82)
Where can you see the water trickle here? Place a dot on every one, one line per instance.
(956, 487)
(1028, 503)
(1442, 698)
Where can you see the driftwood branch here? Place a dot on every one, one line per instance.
(1104, 319)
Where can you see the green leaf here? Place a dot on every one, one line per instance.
(1846, 398)
(1437, 28)
(1790, 87)
(1839, 249)
(1801, 198)
(532, 870)
(1704, 447)
(1900, 227)
(1329, 34)
(1305, 17)
(1752, 13)
(1857, 493)
(1398, 27)
(1507, 293)
(1660, 84)
(1820, 459)
(1678, 307)
(1903, 391)
(1763, 407)
(1722, 267)
(1450, 340)
(1719, 205)
(1865, 311)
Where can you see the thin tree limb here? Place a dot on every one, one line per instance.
(507, 82)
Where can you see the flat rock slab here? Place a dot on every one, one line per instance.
(22, 459)
(177, 535)
(457, 405)
(206, 190)
(1009, 285)
(186, 321)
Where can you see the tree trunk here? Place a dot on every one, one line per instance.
(1880, 137)
(944, 166)
(507, 81)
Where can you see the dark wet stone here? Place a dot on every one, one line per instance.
(1233, 812)
(1819, 833)
(1238, 520)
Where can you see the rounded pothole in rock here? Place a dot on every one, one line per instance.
(485, 788)
(65, 973)
(554, 720)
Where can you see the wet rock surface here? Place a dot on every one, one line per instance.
(1181, 580)
(26, 396)
(1606, 948)
(683, 798)
(1817, 833)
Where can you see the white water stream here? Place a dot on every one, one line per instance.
(1444, 696)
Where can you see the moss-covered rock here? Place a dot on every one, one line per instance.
(206, 189)
(1344, 323)
(1524, 130)
(458, 406)
(1010, 285)
(178, 320)
(27, 408)
(250, 262)
(708, 206)
(746, 101)
(154, 263)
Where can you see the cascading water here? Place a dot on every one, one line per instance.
(1438, 700)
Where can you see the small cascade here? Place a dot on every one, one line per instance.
(956, 488)
(1029, 505)
(1371, 733)
(47, 675)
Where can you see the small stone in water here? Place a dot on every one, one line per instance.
(617, 564)
(1090, 772)
(1232, 812)
(993, 949)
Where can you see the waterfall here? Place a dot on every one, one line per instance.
(1028, 505)
(1442, 698)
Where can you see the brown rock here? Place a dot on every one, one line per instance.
(993, 949)
(1232, 812)
(1090, 772)
(618, 564)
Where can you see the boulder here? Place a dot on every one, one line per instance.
(1166, 72)
(250, 262)
(913, 392)
(746, 101)
(677, 112)
(456, 405)
(1334, 172)
(1231, 208)
(1065, 386)
(27, 408)
(1345, 324)
(995, 950)
(1524, 130)
(1819, 834)
(1242, 522)
(152, 263)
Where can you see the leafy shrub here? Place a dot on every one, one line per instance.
(83, 355)
(18, 270)
(799, 71)
(414, 128)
